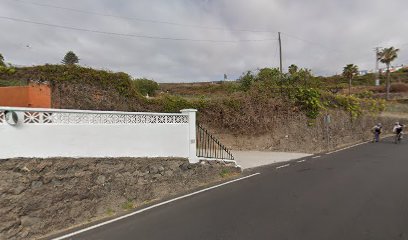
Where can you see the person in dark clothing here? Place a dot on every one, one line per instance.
(377, 130)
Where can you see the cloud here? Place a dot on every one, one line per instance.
(321, 35)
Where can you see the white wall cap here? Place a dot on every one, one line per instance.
(188, 110)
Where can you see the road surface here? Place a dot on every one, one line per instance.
(359, 193)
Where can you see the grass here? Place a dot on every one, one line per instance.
(110, 212)
(11, 83)
(397, 110)
(128, 205)
(224, 172)
(397, 107)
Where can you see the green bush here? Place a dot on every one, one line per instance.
(309, 100)
(350, 104)
(246, 80)
(373, 105)
(7, 70)
(56, 74)
(146, 86)
(128, 205)
(365, 94)
(271, 75)
(173, 104)
(10, 83)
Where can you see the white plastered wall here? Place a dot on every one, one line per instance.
(47, 133)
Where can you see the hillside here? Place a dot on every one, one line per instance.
(263, 111)
(75, 87)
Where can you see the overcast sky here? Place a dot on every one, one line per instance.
(213, 36)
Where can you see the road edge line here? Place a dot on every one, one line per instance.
(342, 149)
(283, 166)
(151, 207)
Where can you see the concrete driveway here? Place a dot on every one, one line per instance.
(252, 159)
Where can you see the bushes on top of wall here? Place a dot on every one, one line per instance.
(55, 74)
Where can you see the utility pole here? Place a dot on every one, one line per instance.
(280, 52)
(377, 75)
(280, 64)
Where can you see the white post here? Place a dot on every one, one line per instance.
(192, 134)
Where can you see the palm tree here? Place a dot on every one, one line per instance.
(349, 71)
(2, 64)
(293, 69)
(386, 56)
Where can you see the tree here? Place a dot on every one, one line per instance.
(2, 64)
(305, 75)
(349, 71)
(246, 80)
(146, 86)
(293, 69)
(268, 75)
(70, 58)
(386, 56)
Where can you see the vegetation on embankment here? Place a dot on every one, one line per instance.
(268, 111)
(257, 95)
(83, 88)
(244, 101)
(54, 74)
(260, 104)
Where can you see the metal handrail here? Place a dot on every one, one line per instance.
(210, 147)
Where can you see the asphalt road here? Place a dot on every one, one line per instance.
(359, 193)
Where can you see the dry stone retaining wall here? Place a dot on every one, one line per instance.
(41, 196)
(297, 133)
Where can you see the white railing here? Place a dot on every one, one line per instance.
(57, 116)
(30, 132)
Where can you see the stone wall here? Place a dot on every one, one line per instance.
(297, 133)
(41, 196)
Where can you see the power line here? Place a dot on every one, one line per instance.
(312, 43)
(142, 19)
(132, 35)
(172, 23)
(159, 22)
(176, 24)
(280, 52)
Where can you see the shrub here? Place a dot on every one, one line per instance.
(373, 105)
(246, 80)
(146, 86)
(309, 100)
(57, 74)
(7, 70)
(170, 103)
(128, 205)
(399, 87)
(365, 94)
(350, 104)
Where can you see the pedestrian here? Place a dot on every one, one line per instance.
(377, 130)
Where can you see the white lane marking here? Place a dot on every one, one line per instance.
(300, 161)
(286, 165)
(355, 145)
(316, 157)
(151, 207)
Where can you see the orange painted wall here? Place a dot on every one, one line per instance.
(35, 96)
(39, 96)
